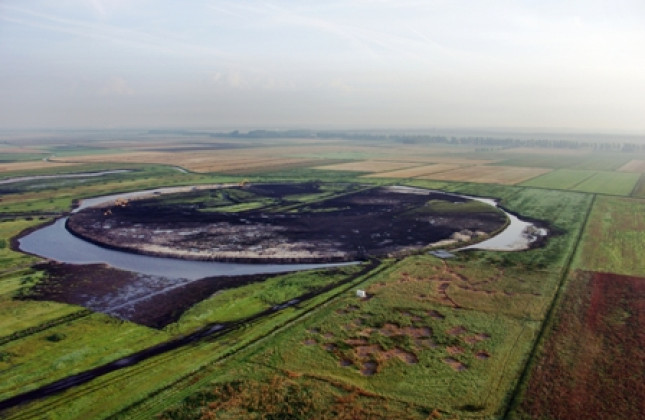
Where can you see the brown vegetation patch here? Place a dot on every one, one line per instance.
(368, 350)
(417, 332)
(474, 339)
(425, 342)
(436, 314)
(593, 361)
(455, 364)
(356, 341)
(369, 368)
(482, 355)
(454, 350)
(390, 330)
(458, 330)
(292, 396)
(404, 356)
(366, 332)
(309, 342)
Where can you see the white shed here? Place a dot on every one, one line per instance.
(361, 293)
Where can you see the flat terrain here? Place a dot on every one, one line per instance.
(507, 175)
(593, 361)
(552, 332)
(614, 241)
(354, 223)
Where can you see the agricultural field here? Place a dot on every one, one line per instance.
(369, 166)
(592, 363)
(602, 313)
(561, 179)
(633, 166)
(481, 335)
(614, 240)
(415, 172)
(566, 159)
(614, 183)
(506, 175)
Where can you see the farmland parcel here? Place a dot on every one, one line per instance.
(432, 338)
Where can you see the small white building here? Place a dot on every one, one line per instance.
(361, 293)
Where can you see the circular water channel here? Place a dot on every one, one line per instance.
(56, 243)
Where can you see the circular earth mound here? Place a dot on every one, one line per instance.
(305, 222)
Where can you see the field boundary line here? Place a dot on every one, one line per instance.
(641, 180)
(549, 318)
(519, 184)
(572, 187)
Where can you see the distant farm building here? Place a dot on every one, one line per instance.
(361, 294)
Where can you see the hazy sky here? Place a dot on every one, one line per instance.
(366, 63)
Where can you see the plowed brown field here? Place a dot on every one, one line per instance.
(593, 364)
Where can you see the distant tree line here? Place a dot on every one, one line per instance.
(481, 143)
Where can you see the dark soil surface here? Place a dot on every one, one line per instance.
(147, 300)
(371, 222)
(593, 364)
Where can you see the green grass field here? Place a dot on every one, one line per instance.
(612, 183)
(561, 179)
(436, 339)
(584, 161)
(614, 241)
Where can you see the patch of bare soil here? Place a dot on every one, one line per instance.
(482, 355)
(369, 368)
(454, 350)
(458, 330)
(147, 300)
(474, 339)
(455, 364)
(367, 350)
(404, 356)
(436, 314)
(377, 221)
